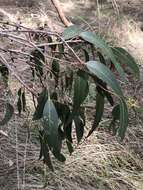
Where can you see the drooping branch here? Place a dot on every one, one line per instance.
(62, 16)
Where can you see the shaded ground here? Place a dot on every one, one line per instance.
(101, 163)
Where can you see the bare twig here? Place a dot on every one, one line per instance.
(16, 76)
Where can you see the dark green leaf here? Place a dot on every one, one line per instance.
(4, 71)
(100, 43)
(99, 112)
(50, 40)
(44, 151)
(101, 58)
(70, 147)
(23, 101)
(19, 105)
(64, 114)
(38, 59)
(63, 111)
(81, 89)
(61, 48)
(79, 126)
(8, 114)
(19, 92)
(55, 66)
(51, 128)
(68, 129)
(115, 117)
(68, 80)
(71, 32)
(116, 112)
(86, 55)
(123, 119)
(41, 103)
(103, 73)
(108, 96)
(54, 96)
(125, 58)
(102, 88)
(59, 156)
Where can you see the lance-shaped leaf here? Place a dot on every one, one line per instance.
(71, 32)
(120, 112)
(103, 73)
(8, 114)
(101, 57)
(21, 103)
(102, 87)
(79, 126)
(123, 119)
(44, 151)
(63, 111)
(115, 117)
(125, 58)
(23, 98)
(99, 112)
(43, 96)
(81, 89)
(86, 55)
(55, 66)
(70, 147)
(65, 116)
(4, 71)
(116, 112)
(37, 57)
(51, 128)
(68, 79)
(98, 42)
(61, 48)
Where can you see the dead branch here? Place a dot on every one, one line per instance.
(62, 16)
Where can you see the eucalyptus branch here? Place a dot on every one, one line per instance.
(16, 76)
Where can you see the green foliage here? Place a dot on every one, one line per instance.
(21, 103)
(51, 129)
(81, 89)
(43, 96)
(62, 101)
(99, 112)
(37, 58)
(71, 32)
(125, 58)
(8, 114)
(4, 72)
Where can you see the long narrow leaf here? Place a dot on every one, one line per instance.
(8, 114)
(41, 103)
(51, 128)
(81, 89)
(123, 119)
(99, 112)
(103, 73)
(71, 32)
(125, 58)
(98, 42)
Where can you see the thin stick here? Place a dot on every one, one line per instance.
(16, 76)
(64, 20)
